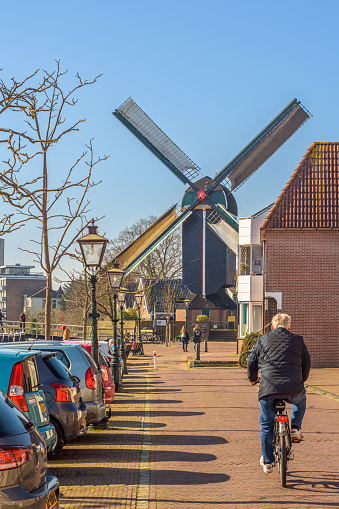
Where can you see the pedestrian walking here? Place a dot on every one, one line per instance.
(284, 364)
(196, 335)
(22, 320)
(66, 334)
(184, 338)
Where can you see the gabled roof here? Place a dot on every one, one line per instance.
(129, 299)
(41, 294)
(219, 300)
(165, 288)
(310, 198)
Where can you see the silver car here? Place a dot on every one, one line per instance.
(80, 363)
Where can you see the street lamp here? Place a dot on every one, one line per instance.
(138, 299)
(115, 277)
(92, 248)
(121, 299)
(187, 303)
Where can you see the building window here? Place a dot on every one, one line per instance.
(244, 319)
(244, 260)
(257, 317)
(53, 303)
(205, 312)
(257, 260)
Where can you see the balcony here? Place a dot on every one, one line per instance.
(250, 288)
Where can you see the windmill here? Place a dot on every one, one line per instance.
(208, 210)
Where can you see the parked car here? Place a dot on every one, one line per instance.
(25, 480)
(63, 397)
(79, 363)
(20, 380)
(105, 371)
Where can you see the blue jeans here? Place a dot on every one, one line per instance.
(184, 344)
(267, 420)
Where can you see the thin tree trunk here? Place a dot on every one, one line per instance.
(48, 306)
(45, 247)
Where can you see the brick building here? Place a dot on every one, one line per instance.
(301, 246)
(16, 281)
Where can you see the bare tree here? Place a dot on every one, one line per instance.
(76, 301)
(32, 111)
(164, 262)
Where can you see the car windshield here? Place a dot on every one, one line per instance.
(64, 359)
(30, 373)
(89, 358)
(103, 359)
(57, 367)
(12, 421)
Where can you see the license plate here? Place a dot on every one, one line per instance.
(43, 407)
(51, 501)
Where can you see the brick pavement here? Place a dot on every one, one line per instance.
(189, 438)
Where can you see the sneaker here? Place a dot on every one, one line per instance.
(267, 467)
(296, 435)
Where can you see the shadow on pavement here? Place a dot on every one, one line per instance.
(119, 456)
(158, 413)
(155, 390)
(248, 503)
(136, 439)
(136, 424)
(142, 402)
(100, 476)
(325, 482)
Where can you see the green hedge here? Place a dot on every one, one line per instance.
(249, 341)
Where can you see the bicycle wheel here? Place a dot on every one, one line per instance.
(282, 461)
(243, 359)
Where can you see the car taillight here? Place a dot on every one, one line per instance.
(90, 379)
(63, 392)
(13, 457)
(15, 389)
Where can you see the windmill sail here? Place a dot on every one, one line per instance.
(136, 120)
(226, 227)
(263, 146)
(136, 252)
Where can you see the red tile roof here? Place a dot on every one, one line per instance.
(310, 197)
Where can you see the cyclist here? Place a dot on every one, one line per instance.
(284, 364)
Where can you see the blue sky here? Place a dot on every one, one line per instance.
(210, 74)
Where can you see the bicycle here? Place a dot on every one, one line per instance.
(282, 442)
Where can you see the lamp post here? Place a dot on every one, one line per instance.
(121, 299)
(138, 299)
(115, 277)
(92, 248)
(187, 303)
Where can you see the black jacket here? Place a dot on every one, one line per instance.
(196, 335)
(283, 360)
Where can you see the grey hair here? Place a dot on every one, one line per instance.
(281, 320)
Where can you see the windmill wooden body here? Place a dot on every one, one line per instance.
(208, 210)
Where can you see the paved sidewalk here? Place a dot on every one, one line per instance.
(189, 438)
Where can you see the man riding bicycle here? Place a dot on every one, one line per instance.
(284, 364)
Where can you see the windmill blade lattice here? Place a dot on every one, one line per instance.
(264, 145)
(136, 120)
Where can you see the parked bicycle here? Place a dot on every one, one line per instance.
(282, 442)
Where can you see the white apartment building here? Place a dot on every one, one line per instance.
(250, 275)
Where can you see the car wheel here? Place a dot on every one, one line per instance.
(60, 442)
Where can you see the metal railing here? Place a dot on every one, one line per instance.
(37, 330)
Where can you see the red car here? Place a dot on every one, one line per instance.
(105, 372)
